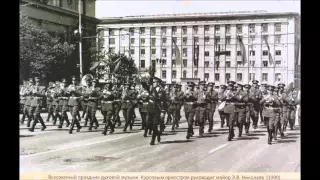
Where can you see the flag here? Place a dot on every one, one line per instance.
(116, 61)
(270, 56)
(196, 55)
(243, 51)
(117, 66)
(178, 59)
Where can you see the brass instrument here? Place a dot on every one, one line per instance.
(269, 99)
(229, 94)
(85, 78)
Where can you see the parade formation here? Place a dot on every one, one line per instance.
(238, 105)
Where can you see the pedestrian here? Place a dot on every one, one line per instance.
(24, 92)
(277, 112)
(263, 90)
(75, 86)
(55, 102)
(49, 100)
(143, 99)
(197, 113)
(179, 105)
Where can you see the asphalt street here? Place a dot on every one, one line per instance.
(55, 150)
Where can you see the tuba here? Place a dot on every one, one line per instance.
(86, 78)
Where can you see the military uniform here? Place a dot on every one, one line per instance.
(229, 108)
(197, 113)
(168, 91)
(201, 107)
(143, 99)
(49, 101)
(277, 112)
(255, 97)
(117, 104)
(190, 98)
(38, 93)
(63, 97)
(263, 90)
(174, 107)
(107, 108)
(24, 92)
(163, 108)
(92, 94)
(74, 93)
(221, 104)
(241, 99)
(55, 103)
(212, 99)
(180, 97)
(127, 105)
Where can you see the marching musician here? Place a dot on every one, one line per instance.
(229, 108)
(63, 97)
(163, 105)
(74, 94)
(49, 101)
(38, 93)
(55, 102)
(255, 97)
(74, 85)
(201, 107)
(189, 98)
(107, 108)
(211, 99)
(263, 89)
(248, 106)
(241, 98)
(24, 92)
(168, 91)
(197, 113)
(127, 105)
(116, 91)
(143, 99)
(270, 104)
(277, 112)
(180, 99)
(221, 104)
(292, 107)
(173, 100)
(92, 94)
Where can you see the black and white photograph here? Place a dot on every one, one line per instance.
(160, 86)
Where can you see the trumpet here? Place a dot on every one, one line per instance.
(229, 94)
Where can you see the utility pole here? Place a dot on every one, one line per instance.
(80, 39)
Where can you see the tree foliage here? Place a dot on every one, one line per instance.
(39, 52)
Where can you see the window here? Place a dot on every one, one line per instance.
(264, 27)
(111, 50)
(142, 31)
(132, 41)
(252, 39)
(239, 28)
(163, 30)
(184, 41)
(143, 52)
(195, 73)
(207, 40)
(278, 27)
(216, 77)
(265, 53)
(173, 63)
(195, 29)
(111, 32)
(278, 63)
(228, 40)
(206, 29)
(153, 42)
(265, 63)
(143, 41)
(252, 63)
(206, 64)
(264, 76)
(238, 53)
(217, 29)
(228, 27)
(239, 63)
(252, 76)
(164, 52)
(174, 40)
(228, 53)
(278, 77)
(278, 39)
(174, 30)
(206, 53)
(112, 41)
(278, 52)
(185, 50)
(228, 76)
(184, 30)
(228, 63)
(143, 64)
(57, 3)
(153, 52)
(164, 63)
(174, 74)
(196, 40)
(264, 38)
(239, 39)
(164, 74)
(206, 76)
(185, 63)
(251, 28)
(217, 40)
(252, 53)
(239, 76)
(153, 31)
(132, 51)
(184, 74)
(131, 30)
(164, 41)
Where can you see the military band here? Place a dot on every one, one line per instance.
(237, 104)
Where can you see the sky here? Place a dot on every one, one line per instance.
(108, 8)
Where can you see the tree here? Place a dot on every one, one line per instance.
(39, 52)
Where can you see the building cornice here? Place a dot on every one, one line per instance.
(58, 10)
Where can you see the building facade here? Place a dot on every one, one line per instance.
(270, 42)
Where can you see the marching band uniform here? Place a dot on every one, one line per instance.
(127, 106)
(24, 92)
(221, 95)
(173, 100)
(38, 93)
(74, 93)
(154, 110)
(201, 107)
(255, 97)
(143, 99)
(117, 104)
(190, 97)
(163, 107)
(277, 111)
(229, 108)
(63, 103)
(241, 99)
(197, 113)
(180, 99)
(107, 108)
(93, 94)
(263, 90)
(55, 103)
(212, 99)
(49, 102)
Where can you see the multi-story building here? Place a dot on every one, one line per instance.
(269, 41)
(60, 18)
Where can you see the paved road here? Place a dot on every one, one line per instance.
(55, 150)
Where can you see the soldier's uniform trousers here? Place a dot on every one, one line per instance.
(299, 116)
(222, 115)
(74, 107)
(248, 115)
(288, 115)
(27, 107)
(91, 110)
(277, 123)
(117, 108)
(24, 109)
(55, 107)
(49, 108)
(153, 117)
(107, 111)
(173, 112)
(127, 109)
(255, 114)
(211, 108)
(146, 123)
(240, 117)
(202, 111)
(164, 109)
(63, 107)
(84, 107)
(230, 115)
(197, 116)
(35, 109)
(269, 117)
(189, 110)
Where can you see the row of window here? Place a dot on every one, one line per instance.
(206, 64)
(239, 28)
(196, 40)
(217, 76)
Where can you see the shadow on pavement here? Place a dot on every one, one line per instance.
(222, 129)
(26, 136)
(259, 134)
(169, 134)
(290, 137)
(26, 128)
(127, 132)
(247, 138)
(294, 134)
(207, 136)
(218, 133)
(286, 141)
(258, 131)
(176, 141)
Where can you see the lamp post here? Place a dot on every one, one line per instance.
(80, 39)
